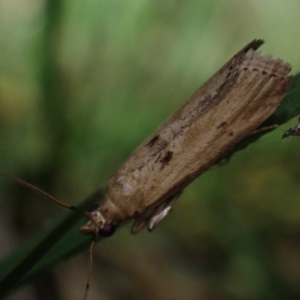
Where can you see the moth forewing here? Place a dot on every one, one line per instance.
(226, 109)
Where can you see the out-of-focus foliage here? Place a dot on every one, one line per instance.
(82, 83)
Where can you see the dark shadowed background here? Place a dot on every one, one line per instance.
(82, 83)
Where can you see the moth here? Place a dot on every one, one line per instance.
(230, 106)
(227, 108)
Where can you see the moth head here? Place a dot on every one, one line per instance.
(97, 225)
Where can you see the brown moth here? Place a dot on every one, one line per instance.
(226, 109)
(230, 106)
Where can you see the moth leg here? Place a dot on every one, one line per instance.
(139, 223)
(293, 131)
(161, 211)
(264, 128)
(156, 216)
(159, 214)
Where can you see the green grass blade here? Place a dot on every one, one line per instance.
(58, 242)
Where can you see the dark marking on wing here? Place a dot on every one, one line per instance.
(166, 159)
(221, 124)
(153, 141)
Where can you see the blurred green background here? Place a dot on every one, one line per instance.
(82, 83)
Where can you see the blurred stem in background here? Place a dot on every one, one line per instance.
(55, 93)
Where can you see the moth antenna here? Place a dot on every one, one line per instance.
(37, 190)
(87, 286)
